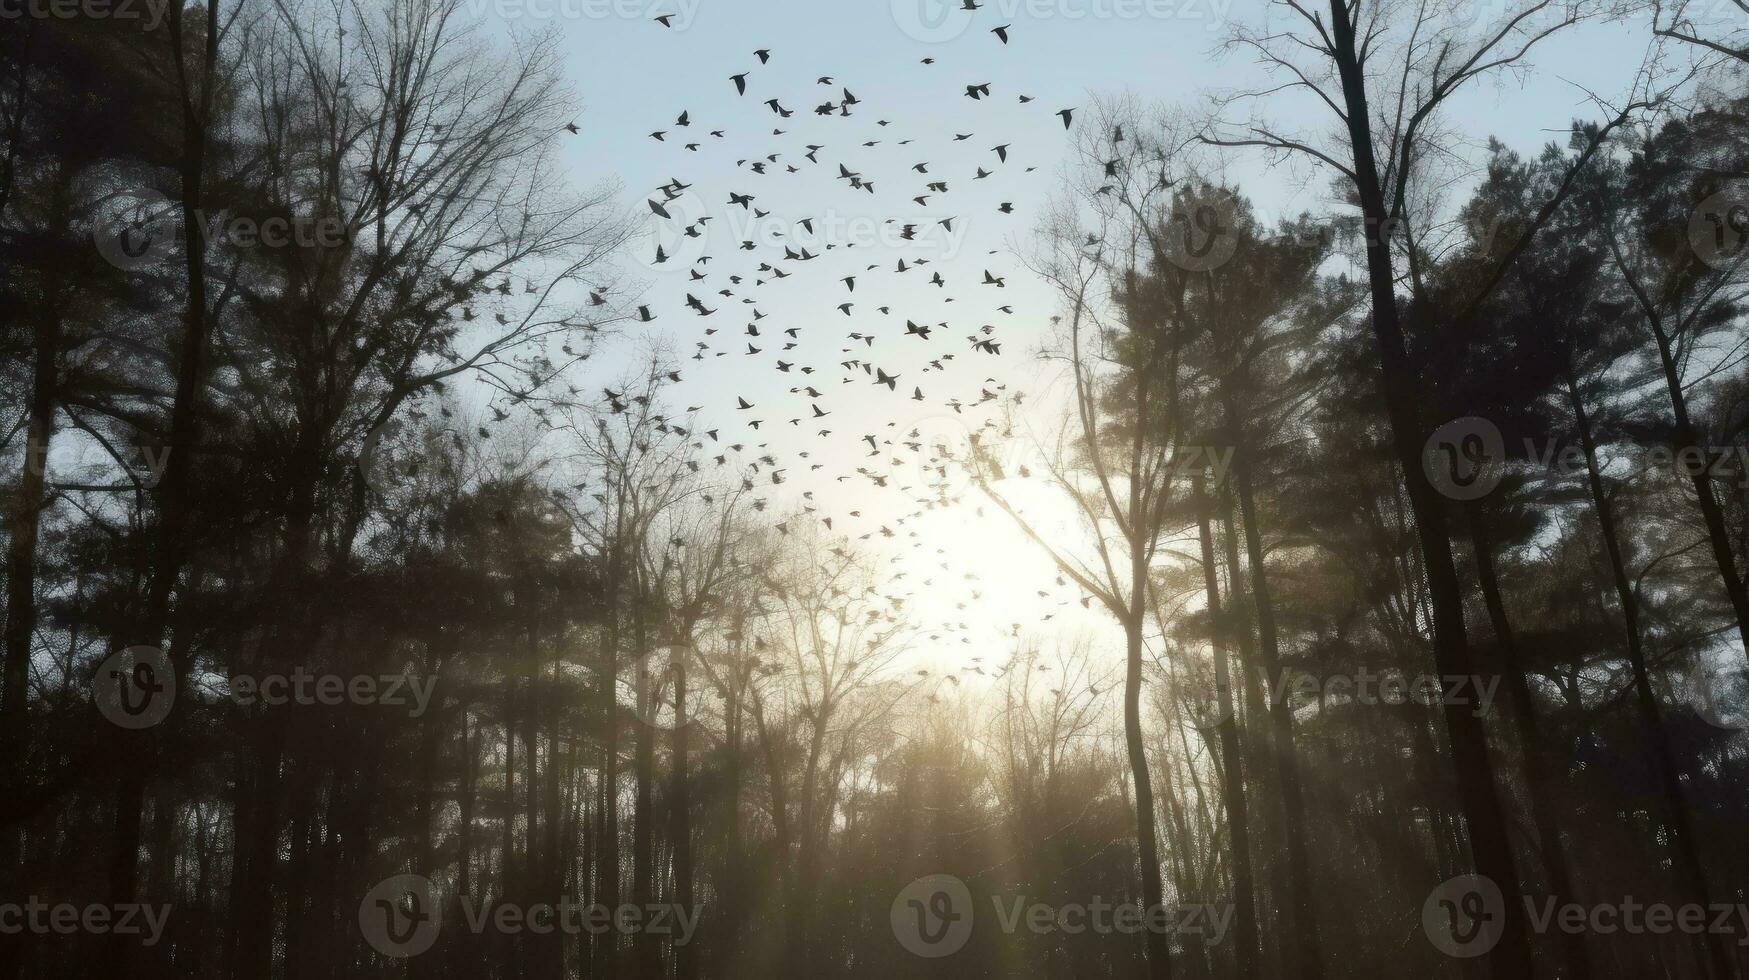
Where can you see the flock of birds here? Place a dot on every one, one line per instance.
(882, 355)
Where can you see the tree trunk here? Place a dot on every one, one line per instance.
(172, 492)
(1147, 846)
(1539, 776)
(607, 847)
(1490, 844)
(25, 524)
(680, 815)
(1281, 728)
(464, 831)
(1713, 515)
(646, 965)
(554, 843)
(1651, 715)
(1232, 759)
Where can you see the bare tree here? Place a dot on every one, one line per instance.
(1676, 21)
(705, 536)
(1116, 456)
(630, 457)
(418, 163)
(832, 635)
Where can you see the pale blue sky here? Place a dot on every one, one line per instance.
(635, 76)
